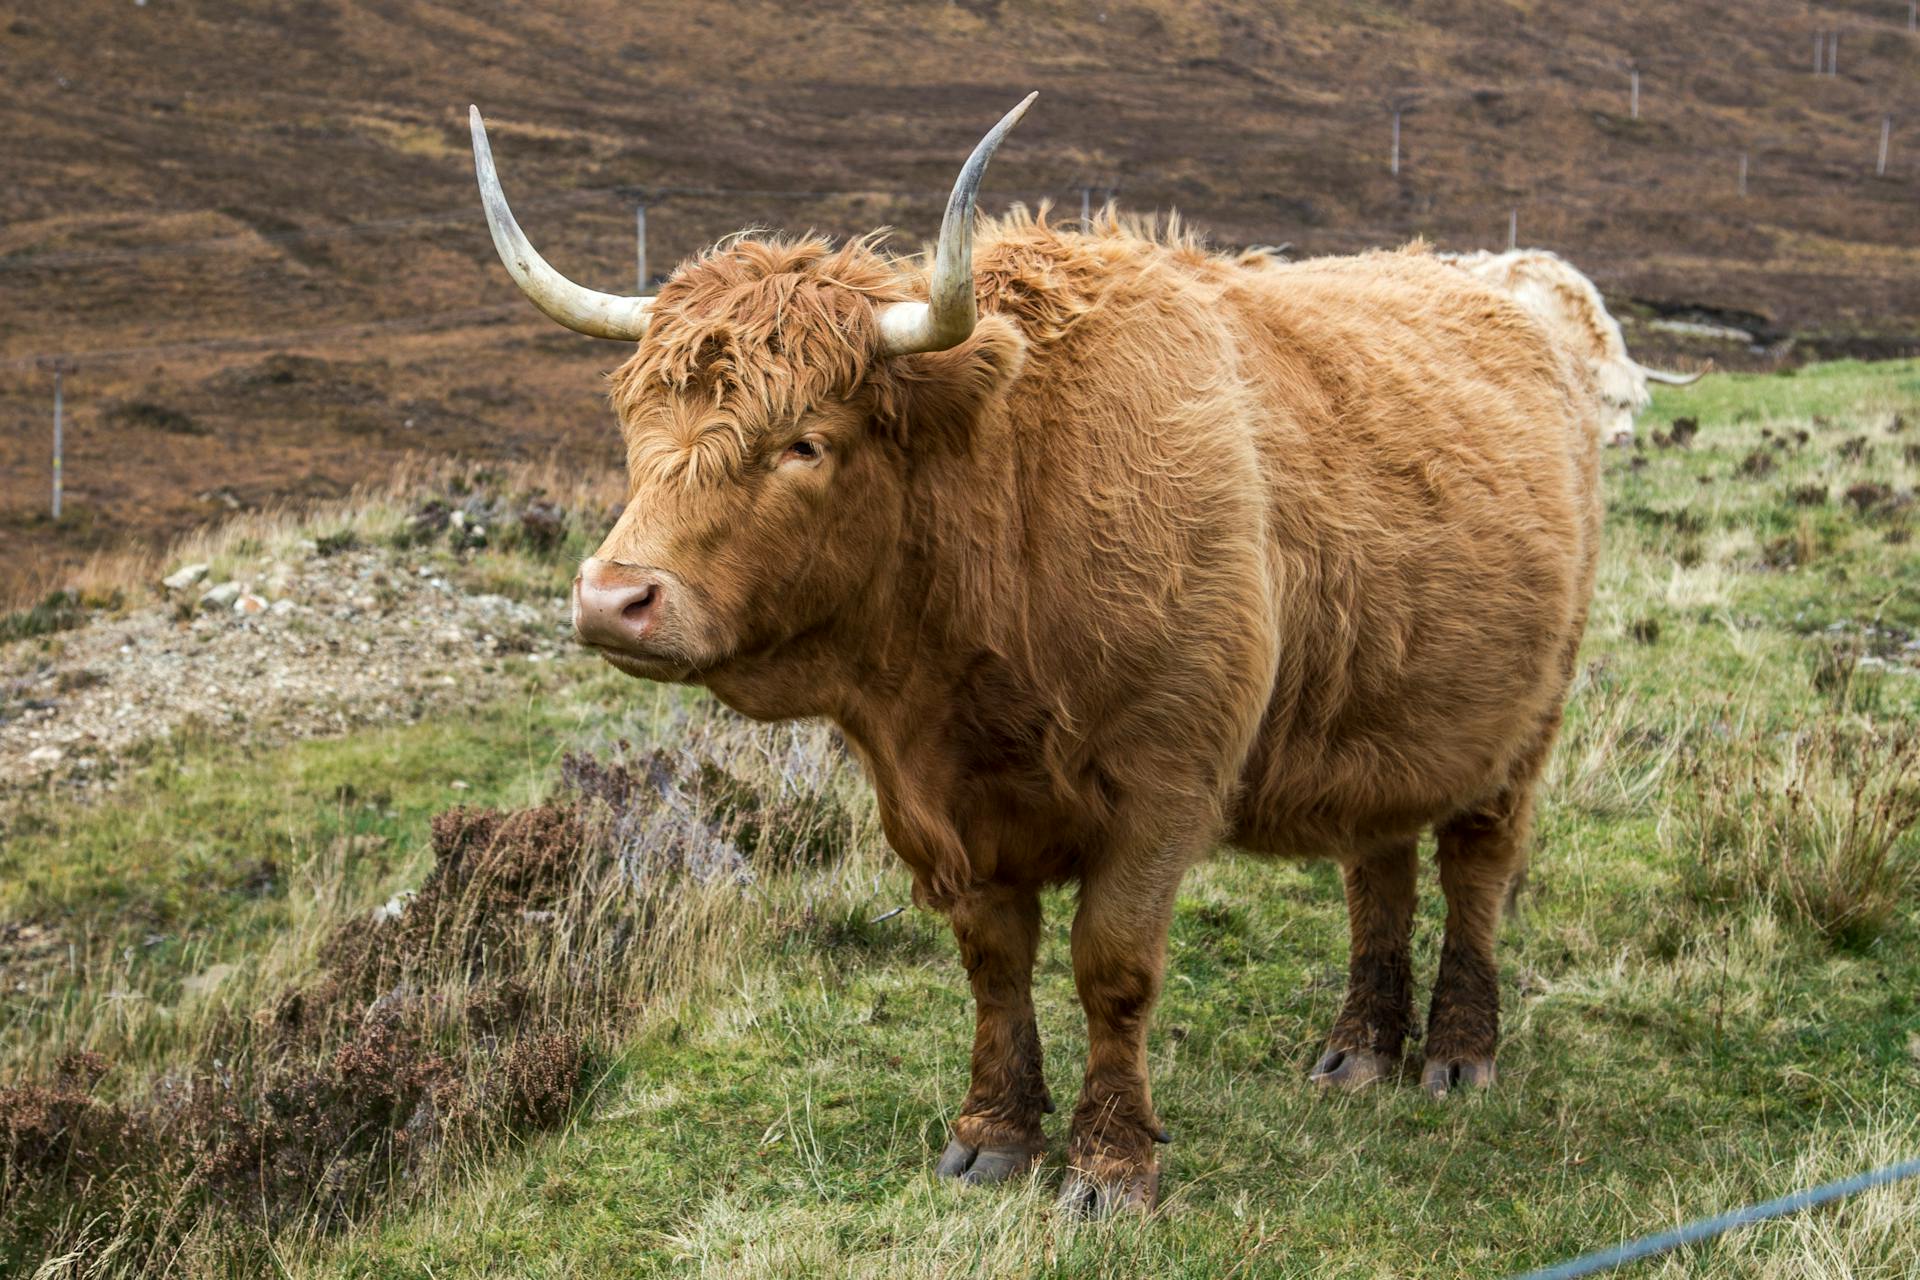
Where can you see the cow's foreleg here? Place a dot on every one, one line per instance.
(1366, 1039)
(1479, 854)
(1119, 954)
(997, 1133)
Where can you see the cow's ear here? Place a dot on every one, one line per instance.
(934, 399)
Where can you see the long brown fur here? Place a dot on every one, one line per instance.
(1174, 549)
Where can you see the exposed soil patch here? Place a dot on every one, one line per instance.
(339, 636)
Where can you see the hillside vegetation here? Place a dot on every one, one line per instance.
(252, 225)
(581, 977)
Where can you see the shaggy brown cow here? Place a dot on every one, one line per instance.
(1154, 549)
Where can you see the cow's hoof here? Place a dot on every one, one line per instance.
(1443, 1075)
(1085, 1196)
(976, 1165)
(1350, 1068)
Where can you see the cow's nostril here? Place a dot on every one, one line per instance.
(619, 606)
(638, 606)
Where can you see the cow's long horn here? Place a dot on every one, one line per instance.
(584, 310)
(947, 318)
(1672, 379)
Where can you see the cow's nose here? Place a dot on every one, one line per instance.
(616, 605)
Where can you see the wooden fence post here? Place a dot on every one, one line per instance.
(640, 242)
(59, 442)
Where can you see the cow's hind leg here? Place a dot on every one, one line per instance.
(1366, 1039)
(1480, 852)
(997, 1133)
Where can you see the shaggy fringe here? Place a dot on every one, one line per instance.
(757, 331)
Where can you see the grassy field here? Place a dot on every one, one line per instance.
(724, 1052)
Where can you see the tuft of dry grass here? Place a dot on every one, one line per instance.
(1612, 761)
(1824, 823)
(540, 508)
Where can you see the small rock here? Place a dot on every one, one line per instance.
(220, 597)
(249, 605)
(185, 576)
(394, 908)
(281, 608)
(458, 519)
(209, 978)
(54, 755)
(460, 784)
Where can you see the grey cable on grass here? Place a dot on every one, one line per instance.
(1707, 1228)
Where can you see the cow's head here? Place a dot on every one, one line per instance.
(766, 414)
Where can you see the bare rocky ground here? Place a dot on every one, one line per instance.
(314, 642)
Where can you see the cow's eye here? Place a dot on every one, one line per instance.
(806, 451)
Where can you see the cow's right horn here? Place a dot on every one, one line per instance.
(946, 319)
(584, 310)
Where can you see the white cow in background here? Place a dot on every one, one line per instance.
(1571, 308)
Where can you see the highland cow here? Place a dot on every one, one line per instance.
(1102, 550)
(1576, 316)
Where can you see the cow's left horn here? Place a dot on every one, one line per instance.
(584, 310)
(947, 318)
(1672, 379)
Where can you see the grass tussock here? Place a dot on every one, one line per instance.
(1822, 824)
(60, 611)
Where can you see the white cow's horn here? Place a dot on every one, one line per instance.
(947, 318)
(1671, 379)
(584, 310)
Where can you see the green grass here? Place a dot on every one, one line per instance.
(1689, 1024)
(787, 1130)
(60, 611)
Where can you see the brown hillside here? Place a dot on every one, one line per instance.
(290, 182)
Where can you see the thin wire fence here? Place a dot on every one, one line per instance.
(1703, 1229)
